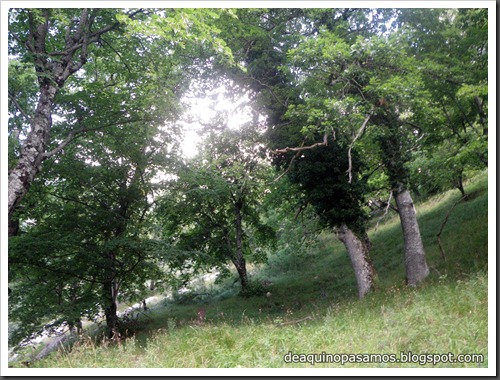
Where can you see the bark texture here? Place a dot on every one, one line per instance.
(52, 75)
(415, 262)
(33, 150)
(359, 253)
(240, 265)
(238, 259)
(110, 310)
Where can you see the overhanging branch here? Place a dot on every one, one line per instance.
(302, 148)
(360, 131)
(74, 134)
(298, 150)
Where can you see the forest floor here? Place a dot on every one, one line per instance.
(309, 305)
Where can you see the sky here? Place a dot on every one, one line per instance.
(200, 110)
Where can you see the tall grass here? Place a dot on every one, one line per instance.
(312, 307)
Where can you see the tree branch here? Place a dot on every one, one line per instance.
(81, 40)
(74, 134)
(71, 136)
(118, 54)
(270, 89)
(287, 169)
(69, 200)
(377, 167)
(360, 131)
(18, 106)
(386, 210)
(82, 25)
(302, 148)
(55, 270)
(301, 208)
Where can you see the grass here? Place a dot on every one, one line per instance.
(313, 306)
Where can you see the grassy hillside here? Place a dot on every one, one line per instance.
(312, 306)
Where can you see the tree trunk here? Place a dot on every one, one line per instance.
(13, 227)
(52, 74)
(110, 310)
(482, 115)
(240, 265)
(416, 265)
(239, 260)
(111, 287)
(460, 183)
(359, 253)
(32, 152)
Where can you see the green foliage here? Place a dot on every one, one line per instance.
(447, 314)
(22, 88)
(84, 223)
(452, 61)
(425, 91)
(183, 26)
(254, 289)
(297, 229)
(200, 210)
(322, 178)
(88, 215)
(322, 175)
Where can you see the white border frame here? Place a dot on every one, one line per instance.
(490, 371)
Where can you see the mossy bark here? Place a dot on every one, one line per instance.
(358, 249)
(415, 262)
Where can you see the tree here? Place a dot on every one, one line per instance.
(80, 52)
(119, 103)
(88, 240)
(320, 173)
(58, 43)
(281, 50)
(110, 95)
(450, 47)
(368, 83)
(214, 211)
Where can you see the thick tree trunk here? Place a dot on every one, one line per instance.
(415, 262)
(33, 150)
(13, 227)
(395, 155)
(359, 253)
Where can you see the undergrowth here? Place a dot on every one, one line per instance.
(311, 307)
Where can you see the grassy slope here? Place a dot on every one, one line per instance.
(448, 313)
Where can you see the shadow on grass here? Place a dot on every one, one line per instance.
(326, 276)
(323, 281)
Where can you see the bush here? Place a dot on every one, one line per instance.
(253, 289)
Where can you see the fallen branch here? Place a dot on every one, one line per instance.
(295, 322)
(443, 254)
